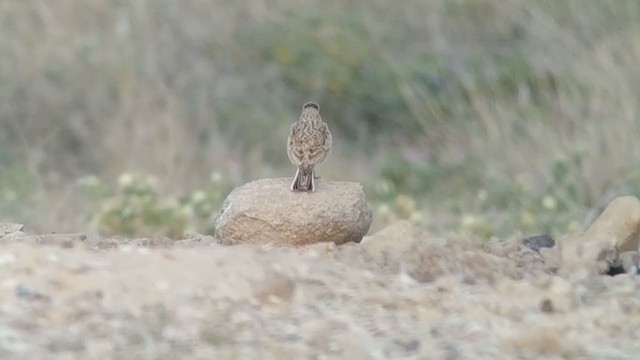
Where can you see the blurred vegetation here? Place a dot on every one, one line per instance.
(489, 117)
(135, 207)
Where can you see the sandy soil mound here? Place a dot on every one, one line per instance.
(66, 296)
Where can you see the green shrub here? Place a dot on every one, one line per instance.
(18, 194)
(136, 208)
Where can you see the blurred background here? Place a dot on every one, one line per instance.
(138, 117)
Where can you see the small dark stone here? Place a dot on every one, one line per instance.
(538, 242)
(546, 306)
(62, 240)
(409, 346)
(153, 242)
(616, 268)
(110, 243)
(25, 293)
(195, 239)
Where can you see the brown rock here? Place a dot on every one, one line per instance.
(551, 257)
(393, 239)
(582, 251)
(8, 228)
(153, 242)
(327, 249)
(598, 247)
(62, 240)
(631, 262)
(546, 306)
(109, 243)
(620, 221)
(267, 211)
(538, 242)
(195, 240)
(560, 294)
(114, 242)
(276, 289)
(16, 236)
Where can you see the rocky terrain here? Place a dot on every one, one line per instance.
(400, 293)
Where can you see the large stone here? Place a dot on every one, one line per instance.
(9, 228)
(394, 239)
(620, 221)
(581, 251)
(631, 262)
(267, 212)
(596, 249)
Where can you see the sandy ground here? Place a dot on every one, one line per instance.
(67, 297)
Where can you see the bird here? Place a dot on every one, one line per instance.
(309, 144)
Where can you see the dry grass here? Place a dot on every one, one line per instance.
(182, 89)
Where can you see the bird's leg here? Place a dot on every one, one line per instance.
(294, 185)
(303, 180)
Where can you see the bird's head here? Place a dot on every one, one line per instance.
(311, 104)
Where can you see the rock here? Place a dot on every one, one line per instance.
(394, 239)
(267, 212)
(559, 295)
(25, 293)
(619, 220)
(114, 242)
(551, 257)
(109, 243)
(8, 228)
(153, 242)
(275, 289)
(598, 247)
(538, 242)
(62, 240)
(196, 239)
(546, 306)
(327, 249)
(631, 262)
(17, 236)
(582, 251)
(616, 268)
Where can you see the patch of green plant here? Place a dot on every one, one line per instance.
(332, 56)
(136, 208)
(17, 193)
(481, 203)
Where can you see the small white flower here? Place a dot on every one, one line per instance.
(125, 180)
(483, 195)
(416, 216)
(187, 210)
(384, 210)
(126, 211)
(198, 196)
(88, 181)
(215, 177)
(405, 202)
(469, 221)
(10, 195)
(384, 187)
(152, 181)
(549, 202)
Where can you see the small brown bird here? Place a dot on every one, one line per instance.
(309, 144)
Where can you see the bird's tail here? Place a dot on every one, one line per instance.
(304, 180)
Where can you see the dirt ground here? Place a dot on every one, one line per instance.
(72, 297)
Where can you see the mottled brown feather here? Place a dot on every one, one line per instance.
(309, 144)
